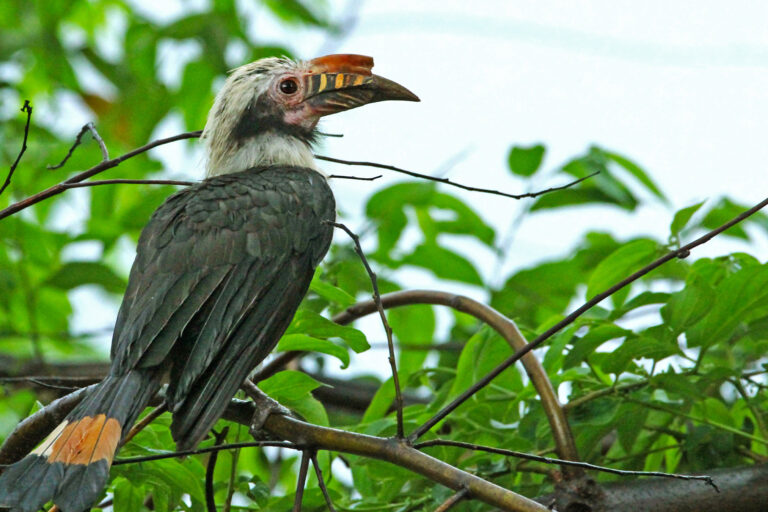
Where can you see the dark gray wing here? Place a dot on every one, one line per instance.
(220, 270)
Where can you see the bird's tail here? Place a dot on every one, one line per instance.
(71, 466)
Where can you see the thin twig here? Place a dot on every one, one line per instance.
(447, 181)
(321, 481)
(387, 328)
(453, 500)
(682, 252)
(359, 178)
(302, 481)
(548, 460)
(27, 107)
(96, 169)
(87, 127)
(129, 182)
(210, 501)
(235, 455)
(146, 420)
(185, 453)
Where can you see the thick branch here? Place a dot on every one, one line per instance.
(741, 490)
(391, 450)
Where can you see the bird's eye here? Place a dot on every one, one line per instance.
(289, 86)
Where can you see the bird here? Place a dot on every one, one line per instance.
(220, 270)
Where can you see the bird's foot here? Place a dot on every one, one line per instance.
(265, 407)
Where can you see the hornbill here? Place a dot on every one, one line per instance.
(220, 270)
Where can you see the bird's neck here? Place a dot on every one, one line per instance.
(265, 149)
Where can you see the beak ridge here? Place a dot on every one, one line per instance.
(342, 82)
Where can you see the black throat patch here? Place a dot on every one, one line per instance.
(261, 116)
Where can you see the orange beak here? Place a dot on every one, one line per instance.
(341, 82)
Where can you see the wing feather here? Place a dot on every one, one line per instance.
(220, 271)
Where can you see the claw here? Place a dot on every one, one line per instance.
(265, 407)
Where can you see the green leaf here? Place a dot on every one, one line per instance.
(414, 326)
(636, 171)
(308, 343)
(78, 273)
(682, 217)
(635, 348)
(444, 263)
(689, 305)
(620, 264)
(127, 496)
(724, 211)
(583, 347)
(329, 292)
(740, 297)
(317, 326)
(294, 11)
(381, 402)
(289, 385)
(525, 161)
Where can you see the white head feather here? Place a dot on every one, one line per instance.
(243, 86)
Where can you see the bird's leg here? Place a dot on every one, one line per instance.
(265, 407)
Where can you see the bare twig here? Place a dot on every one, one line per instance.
(129, 182)
(209, 449)
(359, 178)
(321, 482)
(27, 107)
(682, 252)
(302, 481)
(387, 328)
(548, 460)
(96, 169)
(87, 127)
(146, 420)
(453, 500)
(210, 501)
(447, 181)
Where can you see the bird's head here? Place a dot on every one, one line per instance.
(267, 111)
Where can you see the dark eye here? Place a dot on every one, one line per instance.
(289, 86)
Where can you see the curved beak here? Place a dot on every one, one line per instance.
(341, 82)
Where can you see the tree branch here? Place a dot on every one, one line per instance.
(561, 431)
(682, 252)
(447, 181)
(87, 127)
(321, 482)
(387, 328)
(547, 460)
(453, 500)
(27, 107)
(124, 181)
(741, 488)
(210, 468)
(301, 482)
(96, 169)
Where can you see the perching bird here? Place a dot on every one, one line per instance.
(220, 269)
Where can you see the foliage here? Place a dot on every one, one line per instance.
(666, 375)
